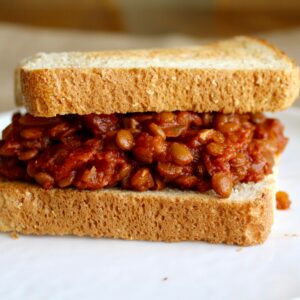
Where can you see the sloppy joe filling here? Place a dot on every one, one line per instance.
(141, 151)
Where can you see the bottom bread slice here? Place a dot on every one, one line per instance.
(169, 215)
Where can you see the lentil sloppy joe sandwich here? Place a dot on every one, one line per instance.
(160, 145)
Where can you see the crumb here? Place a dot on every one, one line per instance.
(291, 234)
(282, 200)
(14, 235)
(239, 249)
(165, 279)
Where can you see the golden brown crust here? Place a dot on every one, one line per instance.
(155, 216)
(63, 91)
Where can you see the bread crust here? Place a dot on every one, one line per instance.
(51, 91)
(170, 215)
(65, 91)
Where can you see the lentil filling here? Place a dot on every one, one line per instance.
(141, 151)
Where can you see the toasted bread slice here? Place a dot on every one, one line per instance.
(169, 215)
(238, 75)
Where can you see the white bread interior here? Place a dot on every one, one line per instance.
(246, 53)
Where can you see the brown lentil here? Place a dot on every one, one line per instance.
(181, 154)
(174, 131)
(168, 170)
(222, 184)
(124, 139)
(141, 151)
(29, 154)
(215, 149)
(156, 130)
(67, 181)
(165, 117)
(142, 180)
(44, 180)
(186, 181)
(31, 133)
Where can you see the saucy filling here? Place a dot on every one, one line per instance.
(141, 151)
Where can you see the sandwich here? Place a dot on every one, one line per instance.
(158, 145)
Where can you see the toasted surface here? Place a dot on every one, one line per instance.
(238, 75)
(171, 215)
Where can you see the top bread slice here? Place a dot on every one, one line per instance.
(238, 75)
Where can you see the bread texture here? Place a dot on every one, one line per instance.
(240, 75)
(169, 215)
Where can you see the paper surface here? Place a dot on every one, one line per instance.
(82, 268)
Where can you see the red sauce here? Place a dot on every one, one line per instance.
(283, 201)
(142, 151)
